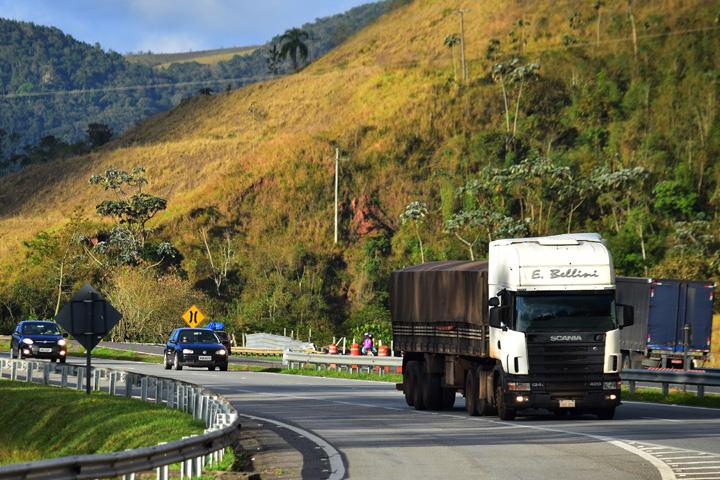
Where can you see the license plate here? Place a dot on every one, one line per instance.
(45, 350)
(205, 358)
(567, 403)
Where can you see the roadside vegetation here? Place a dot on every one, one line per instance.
(675, 397)
(41, 422)
(572, 118)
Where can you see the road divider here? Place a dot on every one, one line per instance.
(350, 363)
(193, 454)
(665, 378)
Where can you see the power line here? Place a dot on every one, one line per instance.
(260, 78)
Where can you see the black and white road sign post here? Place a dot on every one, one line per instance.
(88, 317)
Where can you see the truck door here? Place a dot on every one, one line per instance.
(698, 313)
(663, 315)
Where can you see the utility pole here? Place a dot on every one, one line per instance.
(462, 12)
(337, 167)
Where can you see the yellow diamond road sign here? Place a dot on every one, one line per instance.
(193, 317)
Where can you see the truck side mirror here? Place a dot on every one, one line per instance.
(496, 317)
(494, 302)
(625, 315)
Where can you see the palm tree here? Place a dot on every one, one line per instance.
(450, 42)
(293, 44)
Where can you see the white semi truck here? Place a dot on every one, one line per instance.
(534, 327)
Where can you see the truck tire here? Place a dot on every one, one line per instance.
(448, 398)
(419, 385)
(432, 391)
(503, 410)
(409, 382)
(471, 392)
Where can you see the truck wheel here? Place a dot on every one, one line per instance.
(606, 413)
(448, 398)
(504, 412)
(432, 391)
(420, 379)
(471, 389)
(409, 382)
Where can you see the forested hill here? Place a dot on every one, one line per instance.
(38, 64)
(574, 116)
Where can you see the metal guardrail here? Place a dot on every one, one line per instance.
(193, 454)
(349, 362)
(665, 378)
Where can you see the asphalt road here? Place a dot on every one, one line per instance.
(362, 429)
(158, 350)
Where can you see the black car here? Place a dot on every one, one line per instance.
(224, 339)
(38, 339)
(195, 347)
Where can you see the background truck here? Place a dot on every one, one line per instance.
(536, 326)
(672, 318)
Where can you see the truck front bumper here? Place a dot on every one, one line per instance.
(588, 395)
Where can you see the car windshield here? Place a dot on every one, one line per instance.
(197, 336)
(566, 312)
(40, 329)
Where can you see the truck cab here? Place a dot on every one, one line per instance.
(554, 325)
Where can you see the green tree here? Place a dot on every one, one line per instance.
(512, 77)
(415, 212)
(131, 210)
(273, 59)
(98, 134)
(293, 44)
(451, 41)
(470, 226)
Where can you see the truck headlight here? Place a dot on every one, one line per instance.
(27, 341)
(62, 342)
(221, 352)
(187, 351)
(614, 385)
(518, 386)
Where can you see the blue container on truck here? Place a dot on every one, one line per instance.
(666, 312)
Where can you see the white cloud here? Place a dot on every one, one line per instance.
(169, 43)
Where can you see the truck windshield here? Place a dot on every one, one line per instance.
(565, 312)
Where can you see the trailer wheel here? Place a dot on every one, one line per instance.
(448, 398)
(409, 381)
(504, 411)
(419, 385)
(432, 391)
(471, 392)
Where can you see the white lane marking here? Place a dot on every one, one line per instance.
(663, 419)
(337, 467)
(666, 473)
(651, 404)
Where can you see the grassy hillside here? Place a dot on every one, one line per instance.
(207, 57)
(262, 155)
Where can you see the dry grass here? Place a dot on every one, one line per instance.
(211, 150)
(207, 57)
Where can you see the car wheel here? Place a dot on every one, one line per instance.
(176, 362)
(223, 368)
(168, 365)
(212, 369)
(61, 360)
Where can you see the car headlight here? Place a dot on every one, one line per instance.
(614, 385)
(518, 386)
(221, 352)
(62, 342)
(187, 351)
(27, 341)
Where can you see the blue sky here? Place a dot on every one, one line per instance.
(172, 25)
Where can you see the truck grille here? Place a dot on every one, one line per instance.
(566, 368)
